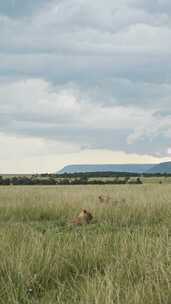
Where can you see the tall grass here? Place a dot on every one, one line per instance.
(124, 256)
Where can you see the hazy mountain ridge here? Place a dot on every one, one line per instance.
(161, 168)
(131, 168)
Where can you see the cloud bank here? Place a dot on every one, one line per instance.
(80, 76)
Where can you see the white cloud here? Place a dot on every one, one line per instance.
(78, 73)
(35, 155)
(75, 27)
(16, 147)
(36, 108)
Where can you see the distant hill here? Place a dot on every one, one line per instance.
(161, 168)
(130, 168)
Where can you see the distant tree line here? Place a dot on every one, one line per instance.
(88, 178)
(101, 174)
(164, 174)
(98, 174)
(75, 180)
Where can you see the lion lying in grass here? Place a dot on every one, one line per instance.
(103, 199)
(83, 218)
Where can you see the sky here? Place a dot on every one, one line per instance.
(84, 82)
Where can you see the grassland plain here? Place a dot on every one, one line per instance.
(123, 257)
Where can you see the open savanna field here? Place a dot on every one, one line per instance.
(123, 256)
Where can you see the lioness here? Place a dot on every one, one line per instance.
(84, 217)
(104, 199)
